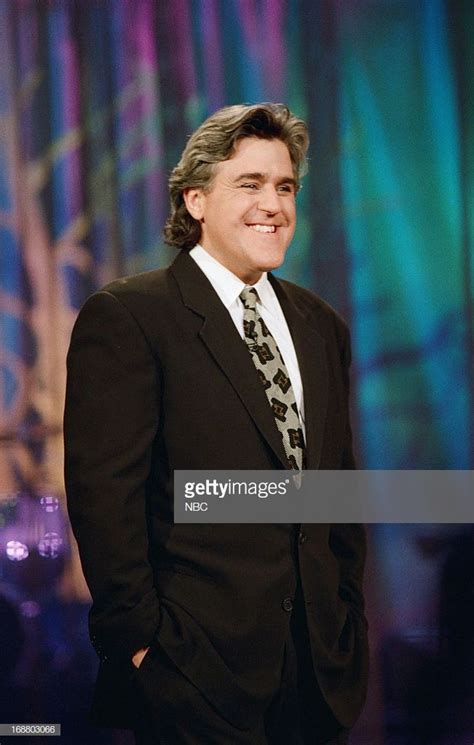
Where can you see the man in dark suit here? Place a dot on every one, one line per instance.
(225, 634)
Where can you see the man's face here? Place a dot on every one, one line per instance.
(248, 216)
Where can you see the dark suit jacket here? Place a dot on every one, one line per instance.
(159, 379)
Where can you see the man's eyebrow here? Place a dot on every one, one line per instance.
(257, 176)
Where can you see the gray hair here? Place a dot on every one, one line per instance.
(214, 141)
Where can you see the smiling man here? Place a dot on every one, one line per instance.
(216, 634)
(248, 215)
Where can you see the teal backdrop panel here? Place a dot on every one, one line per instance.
(401, 173)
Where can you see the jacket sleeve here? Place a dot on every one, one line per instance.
(111, 419)
(348, 541)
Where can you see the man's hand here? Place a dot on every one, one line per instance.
(137, 658)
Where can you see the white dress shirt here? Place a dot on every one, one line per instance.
(229, 287)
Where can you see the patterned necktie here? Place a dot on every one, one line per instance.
(274, 376)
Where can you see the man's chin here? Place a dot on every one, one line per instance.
(274, 262)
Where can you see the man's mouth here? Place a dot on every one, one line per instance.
(263, 228)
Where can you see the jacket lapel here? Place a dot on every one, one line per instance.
(311, 353)
(224, 343)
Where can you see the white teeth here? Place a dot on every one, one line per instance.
(263, 228)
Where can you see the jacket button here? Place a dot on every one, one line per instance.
(302, 537)
(287, 605)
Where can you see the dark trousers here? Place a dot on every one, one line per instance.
(297, 715)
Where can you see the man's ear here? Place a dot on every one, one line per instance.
(194, 201)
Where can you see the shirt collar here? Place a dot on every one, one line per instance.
(227, 285)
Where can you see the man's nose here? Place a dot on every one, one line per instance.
(269, 199)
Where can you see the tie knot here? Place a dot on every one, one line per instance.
(249, 297)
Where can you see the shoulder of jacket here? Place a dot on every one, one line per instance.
(145, 283)
(140, 295)
(314, 304)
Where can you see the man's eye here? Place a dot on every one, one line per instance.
(250, 186)
(286, 188)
